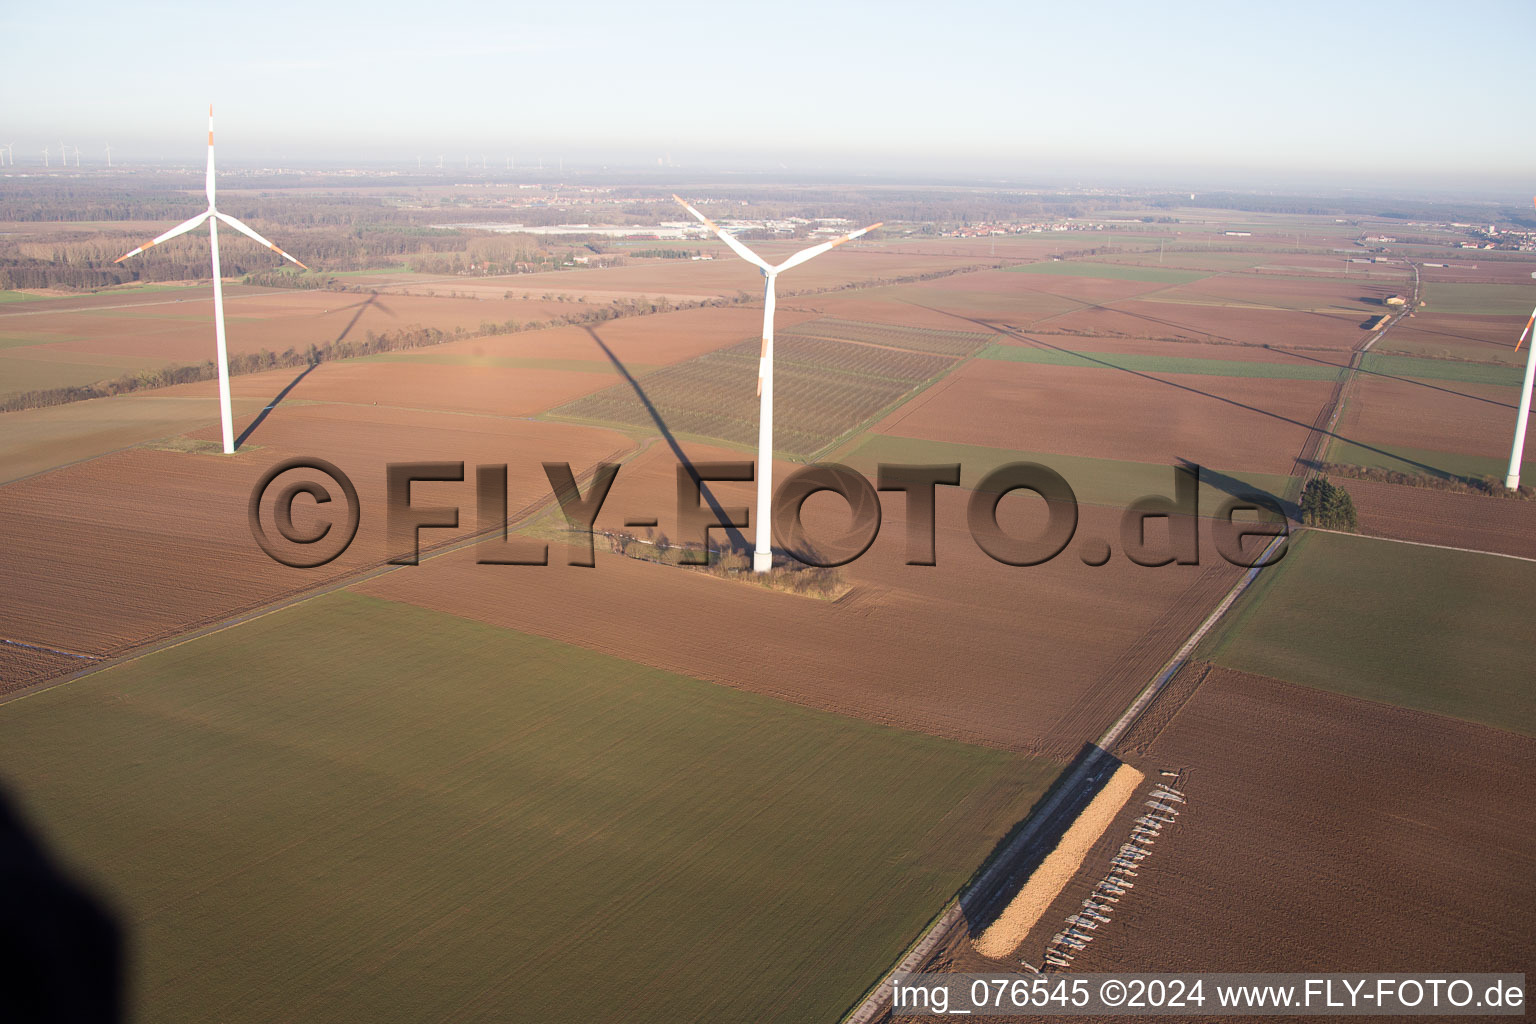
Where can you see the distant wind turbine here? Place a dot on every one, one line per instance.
(213, 216)
(762, 558)
(45, 157)
(109, 154)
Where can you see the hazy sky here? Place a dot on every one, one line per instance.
(1402, 90)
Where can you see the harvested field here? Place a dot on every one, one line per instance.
(1425, 628)
(1447, 416)
(823, 388)
(1311, 809)
(1095, 634)
(1227, 422)
(1444, 517)
(1483, 339)
(83, 546)
(439, 795)
(1026, 909)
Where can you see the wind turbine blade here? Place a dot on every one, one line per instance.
(816, 250)
(208, 181)
(243, 229)
(179, 229)
(729, 239)
(1527, 330)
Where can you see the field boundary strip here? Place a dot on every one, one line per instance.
(1004, 936)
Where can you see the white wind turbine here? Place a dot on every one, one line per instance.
(109, 154)
(762, 557)
(213, 216)
(1517, 450)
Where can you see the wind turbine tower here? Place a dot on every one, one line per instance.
(213, 216)
(1517, 450)
(762, 557)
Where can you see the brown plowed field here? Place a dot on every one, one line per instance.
(21, 667)
(1321, 833)
(1472, 270)
(1224, 422)
(1236, 323)
(1435, 415)
(1445, 517)
(1189, 350)
(1316, 809)
(172, 327)
(654, 340)
(954, 308)
(1482, 339)
(726, 275)
(1090, 290)
(487, 390)
(1287, 292)
(107, 554)
(969, 648)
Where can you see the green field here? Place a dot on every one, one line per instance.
(1396, 458)
(1162, 364)
(1111, 271)
(6, 296)
(1441, 631)
(359, 810)
(1108, 482)
(1442, 369)
(1486, 299)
